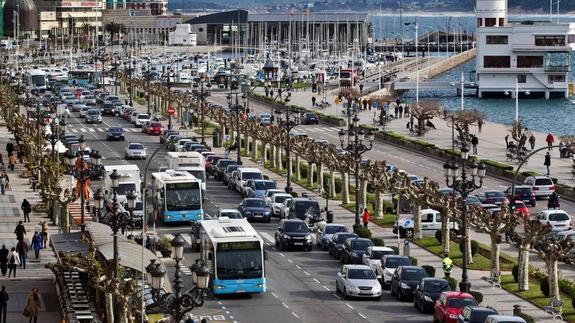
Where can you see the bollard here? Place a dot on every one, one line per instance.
(516, 310)
(406, 248)
(329, 216)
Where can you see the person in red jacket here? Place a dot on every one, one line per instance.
(549, 141)
(365, 217)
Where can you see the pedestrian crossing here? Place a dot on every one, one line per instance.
(100, 130)
(333, 130)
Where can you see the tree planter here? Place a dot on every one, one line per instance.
(166, 253)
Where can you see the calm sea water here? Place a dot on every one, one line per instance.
(556, 115)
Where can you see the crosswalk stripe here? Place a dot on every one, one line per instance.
(74, 130)
(100, 129)
(91, 129)
(187, 237)
(169, 236)
(83, 130)
(267, 237)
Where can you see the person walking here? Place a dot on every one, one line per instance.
(20, 231)
(13, 262)
(447, 265)
(547, 162)
(37, 243)
(9, 148)
(507, 141)
(4, 260)
(22, 248)
(3, 183)
(26, 208)
(532, 141)
(44, 233)
(365, 217)
(32, 306)
(313, 100)
(3, 303)
(12, 162)
(549, 140)
(474, 143)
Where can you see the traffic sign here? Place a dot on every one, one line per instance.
(171, 111)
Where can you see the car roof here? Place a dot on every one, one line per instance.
(380, 248)
(293, 220)
(253, 198)
(229, 210)
(457, 295)
(553, 211)
(506, 318)
(357, 266)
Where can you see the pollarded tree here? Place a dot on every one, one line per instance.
(426, 111)
(552, 250)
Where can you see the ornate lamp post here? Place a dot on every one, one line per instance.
(287, 124)
(168, 76)
(178, 304)
(359, 142)
(202, 92)
(238, 109)
(98, 203)
(119, 220)
(458, 181)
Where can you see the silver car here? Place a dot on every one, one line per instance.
(135, 151)
(93, 116)
(357, 281)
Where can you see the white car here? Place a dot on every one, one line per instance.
(372, 256)
(135, 150)
(84, 110)
(142, 118)
(277, 202)
(558, 219)
(387, 266)
(357, 281)
(542, 186)
(230, 213)
(284, 208)
(269, 193)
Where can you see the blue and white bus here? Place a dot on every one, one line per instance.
(235, 254)
(177, 196)
(37, 80)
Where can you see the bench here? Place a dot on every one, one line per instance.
(495, 278)
(555, 308)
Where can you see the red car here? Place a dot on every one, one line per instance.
(155, 128)
(521, 209)
(211, 160)
(449, 306)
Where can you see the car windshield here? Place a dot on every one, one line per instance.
(139, 206)
(461, 302)
(199, 174)
(155, 125)
(143, 116)
(280, 198)
(255, 203)
(247, 175)
(332, 229)
(361, 274)
(558, 217)
(342, 237)
(136, 146)
(116, 130)
(303, 206)
(394, 262)
(494, 194)
(231, 168)
(413, 273)
(265, 185)
(435, 286)
(232, 215)
(480, 316)
(377, 254)
(543, 181)
(296, 226)
(361, 244)
(225, 163)
(125, 188)
(472, 200)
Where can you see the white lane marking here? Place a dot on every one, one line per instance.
(297, 266)
(285, 305)
(326, 288)
(274, 248)
(290, 260)
(267, 237)
(231, 317)
(365, 318)
(281, 254)
(268, 244)
(351, 307)
(219, 303)
(169, 236)
(337, 296)
(83, 130)
(100, 129)
(91, 130)
(316, 280)
(228, 312)
(274, 295)
(187, 237)
(223, 307)
(305, 272)
(294, 314)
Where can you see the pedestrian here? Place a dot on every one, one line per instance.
(9, 148)
(1, 159)
(507, 141)
(365, 217)
(401, 110)
(32, 306)
(547, 162)
(3, 184)
(313, 99)
(3, 303)
(272, 93)
(12, 162)
(474, 143)
(13, 262)
(411, 122)
(4, 260)
(22, 248)
(20, 231)
(26, 208)
(447, 265)
(44, 233)
(532, 141)
(37, 243)
(549, 140)
(396, 111)
(479, 125)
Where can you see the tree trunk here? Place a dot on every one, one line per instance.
(345, 188)
(254, 148)
(222, 134)
(320, 176)
(494, 251)
(363, 191)
(273, 157)
(523, 261)
(309, 175)
(468, 243)
(379, 211)
(279, 162)
(445, 232)
(417, 232)
(553, 277)
(264, 148)
(297, 168)
(64, 222)
(109, 307)
(332, 191)
(290, 165)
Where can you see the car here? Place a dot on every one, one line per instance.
(180, 144)
(228, 174)
(293, 233)
(309, 118)
(265, 119)
(353, 250)
(217, 170)
(135, 150)
(154, 128)
(336, 243)
(258, 187)
(450, 304)
(255, 209)
(523, 193)
(109, 108)
(521, 210)
(357, 281)
(269, 193)
(77, 107)
(230, 213)
(210, 161)
(372, 256)
(172, 142)
(84, 110)
(137, 213)
(504, 319)
(114, 133)
(127, 113)
(141, 118)
(284, 208)
(387, 266)
(558, 219)
(492, 197)
(427, 292)
(472, 200)
(89, 100)
(405, 280)
(242, 175)
(276, 202)
(166, 133)
(542, 186)
(133, 116)
(324, 231)
(93, 116)
(192, 146)
(301, 207)
(475, 314)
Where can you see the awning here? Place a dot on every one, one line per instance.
(59, 147)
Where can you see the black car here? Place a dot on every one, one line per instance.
(293, 233)
(427, 292)
(524, 194)
(226, 175)
(336, 243)
(255, 209)
(301, 207)
(475, 314)
(115, 133)
(309, 118)
(492, 197)
(353, 250)
(108, 108)
(218, 169)
(405, 280)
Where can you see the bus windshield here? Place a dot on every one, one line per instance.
(125, 188)
(183, 196)
(239, 260)
(38, 80)
(199, 174)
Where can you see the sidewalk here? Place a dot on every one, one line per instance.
(35, 274)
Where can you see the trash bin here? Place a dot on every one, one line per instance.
(216, 139)
(329, 216)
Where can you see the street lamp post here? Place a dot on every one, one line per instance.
(202, 92)
(237, 109)
(359, 142)
(98, 203)
(459, 182)
(169, 85)
(178, 304)
(287, 125)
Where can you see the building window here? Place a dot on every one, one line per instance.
(521, 78)
(571, 39)
(501, 22)
(490, 22)
(556, 78)
(529, 61)
(496, 61)
(496, 40)
(550, 40)
(479, 22)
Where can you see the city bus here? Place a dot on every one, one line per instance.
(177, 196)
(37, 80)
(82, 77)
(234, 252)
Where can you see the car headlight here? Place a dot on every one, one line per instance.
(248, 212)
(453, 316)
(308, 237)
(405, 286)
(219, 286)
(286, 236)
(267, 213)
(427, 298)
(351, 287)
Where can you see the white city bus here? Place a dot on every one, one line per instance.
(37, 80)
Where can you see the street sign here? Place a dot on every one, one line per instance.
(171, 111)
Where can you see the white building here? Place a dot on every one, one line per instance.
(531, 55)
(182, 35)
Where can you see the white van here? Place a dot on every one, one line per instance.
(247, 173)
